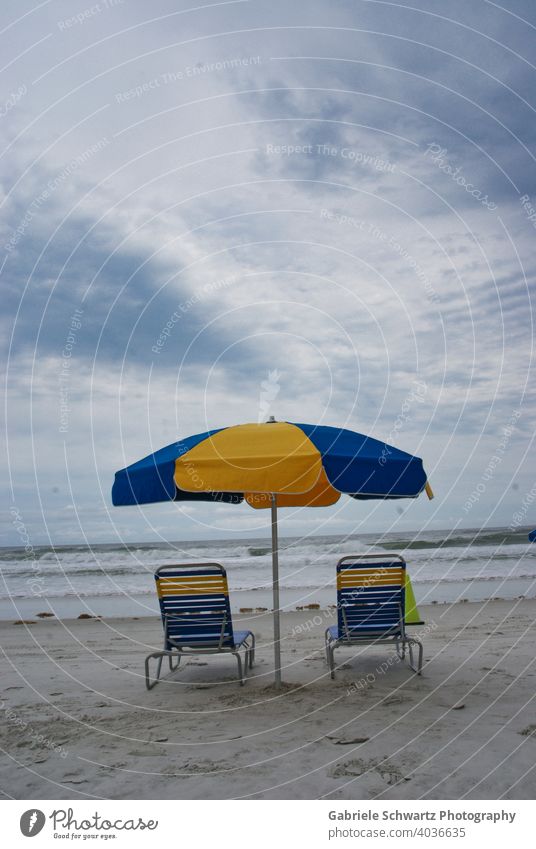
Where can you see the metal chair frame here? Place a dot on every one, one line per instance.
(183, 649)
(396, 634)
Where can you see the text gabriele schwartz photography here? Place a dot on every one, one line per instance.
(268, 536)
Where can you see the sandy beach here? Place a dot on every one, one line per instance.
(79, 723)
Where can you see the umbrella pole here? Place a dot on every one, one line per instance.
(275, 583)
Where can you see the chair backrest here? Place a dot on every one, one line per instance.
(370, 596)
(194, 602)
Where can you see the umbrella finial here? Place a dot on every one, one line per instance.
(271, 420)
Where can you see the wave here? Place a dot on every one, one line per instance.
(135, 591)
(306, 564)
(496, 537)
(241, 559)
(257, 546)
(89, 593)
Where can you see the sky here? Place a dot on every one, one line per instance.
(217, 212)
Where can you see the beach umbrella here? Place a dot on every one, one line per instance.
(532, 536)
(272, 465)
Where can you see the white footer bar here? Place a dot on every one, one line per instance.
(268, 824)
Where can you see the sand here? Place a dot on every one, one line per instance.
(79, 723)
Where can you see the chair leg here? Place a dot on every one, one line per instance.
(148, 682)
(176, 666)
(240, 669)
(414, 641)
(252, 652)
(160, 655)
(331, 661)
(326, 646)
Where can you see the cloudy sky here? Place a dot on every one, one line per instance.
(218, 211)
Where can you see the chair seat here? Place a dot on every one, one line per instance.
(362, 634)
(240, 637)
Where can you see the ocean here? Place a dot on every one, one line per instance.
(117, 579)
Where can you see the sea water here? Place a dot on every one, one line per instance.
(117, 579)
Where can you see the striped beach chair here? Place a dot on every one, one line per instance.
(196, 615)
(371, 607)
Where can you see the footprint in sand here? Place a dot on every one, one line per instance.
(141, 753)
(349, 768)
(197, 768)
(347, 741)
(355, 767)
(74, 780)
(395, 700)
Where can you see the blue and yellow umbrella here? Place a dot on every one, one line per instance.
(271, 465)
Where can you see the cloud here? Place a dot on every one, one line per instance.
(229, 191)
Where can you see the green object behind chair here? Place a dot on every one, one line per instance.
(412, 611)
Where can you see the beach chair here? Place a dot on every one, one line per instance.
(196, 614)
(371, 607)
